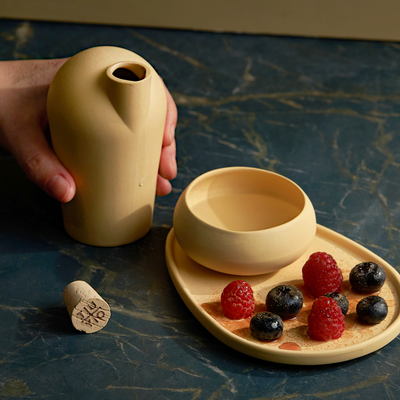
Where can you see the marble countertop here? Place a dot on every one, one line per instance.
(324, 113)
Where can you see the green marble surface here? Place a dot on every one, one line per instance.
(324, 113)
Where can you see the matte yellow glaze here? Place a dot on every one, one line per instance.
(108, 132)
(244, 221)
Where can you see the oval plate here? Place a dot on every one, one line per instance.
(200, 288)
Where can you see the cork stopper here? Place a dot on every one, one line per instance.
(88, 311)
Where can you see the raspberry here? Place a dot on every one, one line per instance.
(326, 320)
(321, 274)
(237, 300)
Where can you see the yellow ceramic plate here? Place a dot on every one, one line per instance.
(201, 288)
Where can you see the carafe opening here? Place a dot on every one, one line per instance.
(132, 72)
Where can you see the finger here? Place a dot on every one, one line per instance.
(168, 167)
(163, 186)
(42, 166)
(170, 120)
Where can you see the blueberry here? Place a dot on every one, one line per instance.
(372, 310)
(285, 300)
(266, 326)
(341, 299)
(367, 277)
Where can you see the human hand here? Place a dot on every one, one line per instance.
(168, 167)
(23, 120)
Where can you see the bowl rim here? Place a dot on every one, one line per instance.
(218, 171)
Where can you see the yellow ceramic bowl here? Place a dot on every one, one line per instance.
(244, 221)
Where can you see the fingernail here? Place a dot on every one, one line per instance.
(58, 187)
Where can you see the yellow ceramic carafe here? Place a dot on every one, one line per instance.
(107, 109)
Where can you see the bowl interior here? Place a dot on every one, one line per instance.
(245, 199)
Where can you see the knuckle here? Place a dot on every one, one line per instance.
(34, 165)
